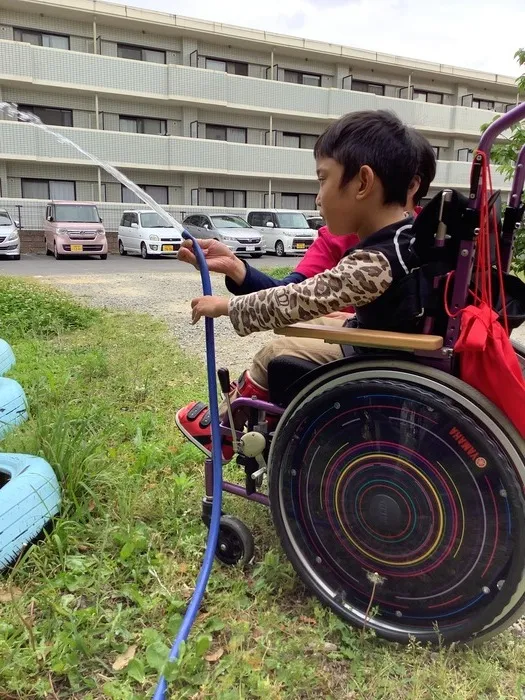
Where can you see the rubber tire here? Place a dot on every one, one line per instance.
(279, 249)
(104, 256)
(256, 255)
(144, 252)
(238, 539)
(515, 608)
(15, 257)
(57, 255)
(48, 252)
(121, 249)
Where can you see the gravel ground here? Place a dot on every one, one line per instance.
(166, 296)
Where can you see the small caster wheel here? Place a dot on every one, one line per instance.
(235, 544)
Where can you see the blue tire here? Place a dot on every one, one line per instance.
(7, 357)
(29, 498)
(13, 405)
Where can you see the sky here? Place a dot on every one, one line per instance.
(480, 34)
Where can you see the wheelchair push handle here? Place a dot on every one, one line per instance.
(499, 126)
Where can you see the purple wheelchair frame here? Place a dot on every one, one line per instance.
(440, 359)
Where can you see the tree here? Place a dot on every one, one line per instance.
(504, 155)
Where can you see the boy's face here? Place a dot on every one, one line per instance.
(338, 204)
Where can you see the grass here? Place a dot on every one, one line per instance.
(279, 272)
(89, 611)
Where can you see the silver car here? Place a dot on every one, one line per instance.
(232, 230)
(9, 236)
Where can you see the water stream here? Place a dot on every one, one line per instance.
(11, 110)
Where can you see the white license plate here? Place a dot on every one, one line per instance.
(250, 247)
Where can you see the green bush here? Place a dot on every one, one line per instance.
(29, 309)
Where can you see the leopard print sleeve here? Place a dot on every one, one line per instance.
(358, 279)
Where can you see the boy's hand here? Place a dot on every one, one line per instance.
(211, 307)
(218, 256)
(343, 315)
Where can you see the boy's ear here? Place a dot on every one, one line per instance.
(366, 181)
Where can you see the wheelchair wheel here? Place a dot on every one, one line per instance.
(398, 495)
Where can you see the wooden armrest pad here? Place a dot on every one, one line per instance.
(363, 337)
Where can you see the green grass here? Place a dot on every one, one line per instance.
(279, 272)
(116, 572)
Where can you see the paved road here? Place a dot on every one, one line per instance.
(32, 265)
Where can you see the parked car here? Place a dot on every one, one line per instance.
(232, 230)
(9, 236)
(146, 233)
(283, 232)
(315, 222)
(74, 228)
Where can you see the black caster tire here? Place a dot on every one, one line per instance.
(104, 256)
(235, 545)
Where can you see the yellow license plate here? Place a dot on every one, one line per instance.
(76, 248)
(301, 246)
(167, 248)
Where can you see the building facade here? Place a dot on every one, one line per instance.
(201, 114)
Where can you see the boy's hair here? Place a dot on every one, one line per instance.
(426, 169)
(377, 139)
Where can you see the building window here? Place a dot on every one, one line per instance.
(291, 140)
(49, 189)
(295, 76)
(437, 151)
(216, 132)
(139, 53)
(234, 67)
(143, 125)
(50, 115)
(158, 192)
(479, 103)
(226, 198)
(304, 202)
(363, 86)
(427, 96)
(465, 155)
(52, 41)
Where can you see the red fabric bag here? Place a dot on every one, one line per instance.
(488, 362)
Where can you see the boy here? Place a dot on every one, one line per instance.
(366, 162)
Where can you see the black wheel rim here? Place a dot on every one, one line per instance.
(400, 482)
(230, 548)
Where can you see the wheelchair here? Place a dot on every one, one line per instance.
(396, 489)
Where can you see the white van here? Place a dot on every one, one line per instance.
(284, 232)
(146, 233)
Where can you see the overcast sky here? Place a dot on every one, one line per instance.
(470, 33)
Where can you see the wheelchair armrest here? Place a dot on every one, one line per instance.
(364, 337)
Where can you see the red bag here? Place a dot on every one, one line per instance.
(488, 362)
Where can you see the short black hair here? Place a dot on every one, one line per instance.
(426, 169)
(376, 138)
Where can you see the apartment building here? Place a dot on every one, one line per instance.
(202, 114)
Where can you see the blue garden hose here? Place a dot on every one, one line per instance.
(213, 534)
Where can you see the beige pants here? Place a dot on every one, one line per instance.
(305, 348)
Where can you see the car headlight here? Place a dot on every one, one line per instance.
(153, 237)
(61, 230)
(13, 235)
(99, 231)
(230, 239)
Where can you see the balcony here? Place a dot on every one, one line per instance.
(24, 142)
(24, 64)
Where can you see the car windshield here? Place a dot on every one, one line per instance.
(229, 222)
(153, 220)
(292, 220)
(5, 219)
(77, 213)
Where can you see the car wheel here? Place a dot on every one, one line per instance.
(121, 249)
(279, 249)
(48, 252)
(256, 255)
(16, 257)
(57, 255)
(144, 251)
(104, 256)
